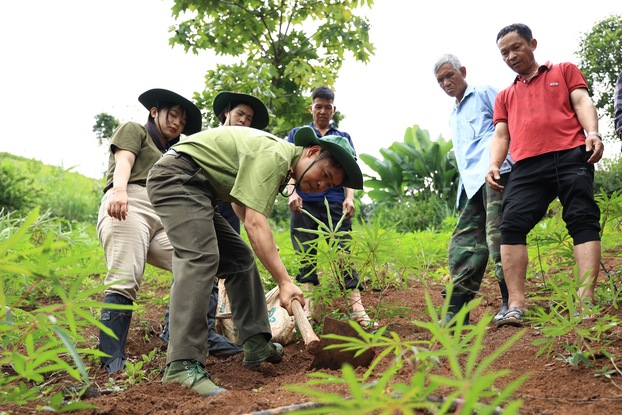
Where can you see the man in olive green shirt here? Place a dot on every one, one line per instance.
(247, 167)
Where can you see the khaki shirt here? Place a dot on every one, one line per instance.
(133, 137)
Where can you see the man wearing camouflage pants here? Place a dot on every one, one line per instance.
(477, 233)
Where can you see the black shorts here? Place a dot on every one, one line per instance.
(536, 181)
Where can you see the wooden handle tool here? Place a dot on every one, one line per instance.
(311, 340)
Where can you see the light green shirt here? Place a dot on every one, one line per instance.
(242, 164)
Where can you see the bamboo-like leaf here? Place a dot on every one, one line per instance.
(73, 352)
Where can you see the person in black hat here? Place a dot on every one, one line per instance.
(128, 228)
(248, 167)
(233, 108)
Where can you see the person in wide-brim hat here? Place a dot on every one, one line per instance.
(133, 240)
(237, 109)
(154, 97)
(339, 147)
(226, 101)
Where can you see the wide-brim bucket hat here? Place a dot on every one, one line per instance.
(339, 147)
(152, 97)
(228, 99)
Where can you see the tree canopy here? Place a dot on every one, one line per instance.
(104, 126)
(280, 50)
(600, 59)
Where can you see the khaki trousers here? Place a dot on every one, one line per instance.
(132, 243)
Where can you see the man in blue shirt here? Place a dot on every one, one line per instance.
(340, 200)
(477, 233)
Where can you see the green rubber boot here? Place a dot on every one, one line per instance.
(190, 373)
(258, 350)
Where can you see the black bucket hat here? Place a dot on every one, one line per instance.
(152, 97)
(339, 147)
(226, 98)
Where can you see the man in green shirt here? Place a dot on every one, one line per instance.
(248, 167)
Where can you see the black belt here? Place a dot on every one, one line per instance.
(183, 156)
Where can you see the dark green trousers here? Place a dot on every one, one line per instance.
(205, 246)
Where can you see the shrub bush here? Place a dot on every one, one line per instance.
(28, 183)
(608, 175)
(411, 214)
(18, 191)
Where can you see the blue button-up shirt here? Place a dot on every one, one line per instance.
(332, 194)
(472, 128)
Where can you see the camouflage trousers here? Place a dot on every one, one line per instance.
(476, 238)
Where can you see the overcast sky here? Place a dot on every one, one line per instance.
(65, 61)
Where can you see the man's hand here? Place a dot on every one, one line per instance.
(348, 208)
(595, 144)
(492, 178)
(288, 291)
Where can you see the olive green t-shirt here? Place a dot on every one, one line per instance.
(133, 137)
(242, 164)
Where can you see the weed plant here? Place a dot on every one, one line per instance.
(574, 333)
(584, 333)
(45, 305)
(448, 372)
(368, 251)
(135, 372)
(333, 261)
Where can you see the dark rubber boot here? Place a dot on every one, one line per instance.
(504, 301)
(456, 302)
(119, 322)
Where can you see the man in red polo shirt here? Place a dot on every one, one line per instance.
(548, 121)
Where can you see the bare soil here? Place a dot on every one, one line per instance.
(553, 387)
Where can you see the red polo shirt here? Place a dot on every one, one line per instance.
(538, 112)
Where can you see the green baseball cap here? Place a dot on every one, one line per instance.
(339, 147)
(152, 97)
